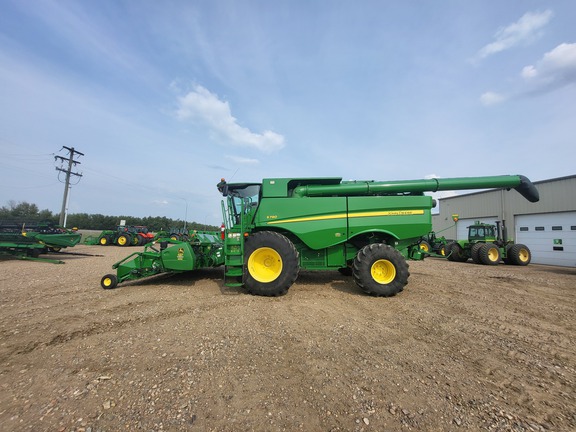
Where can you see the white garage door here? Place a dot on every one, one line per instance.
(463, 224)
(551, 237)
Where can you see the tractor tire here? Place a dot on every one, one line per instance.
(104, 240)
(124, 240)
(136, 240)
(425, 247)
(380, 270)
(109, 281)
(448, 251)
(442, 250)
(475, 253)
(489, 254)
(271, 264)
(519, 254)
(457, 253)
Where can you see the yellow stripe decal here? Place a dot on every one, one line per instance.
(350, 215)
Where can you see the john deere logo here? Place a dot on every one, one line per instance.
(180, 255)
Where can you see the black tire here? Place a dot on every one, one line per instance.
(109, 281)
(33, 253)
(475, 253)
(271, 264)
(104, 240)
(489, 254)
(448, 251)
(457, 253)
(124, 240)
(425, 247)
(380, 270)
(442, 250)
(519, 254)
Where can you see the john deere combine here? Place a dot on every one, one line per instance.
(273, 229)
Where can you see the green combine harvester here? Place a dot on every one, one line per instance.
(29, 240)
(273, 229)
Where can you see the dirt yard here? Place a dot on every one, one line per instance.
(464, 347)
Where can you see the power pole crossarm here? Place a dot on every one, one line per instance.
(68, 171)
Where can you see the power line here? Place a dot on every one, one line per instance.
(69, 173)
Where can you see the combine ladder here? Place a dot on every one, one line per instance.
(233, 250)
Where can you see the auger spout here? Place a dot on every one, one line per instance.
(366, 188)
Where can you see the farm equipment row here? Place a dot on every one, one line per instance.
(122, 236)
(30, 240)
(273, 229)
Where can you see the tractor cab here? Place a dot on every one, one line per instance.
(483, 233)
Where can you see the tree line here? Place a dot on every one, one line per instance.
(23, 212)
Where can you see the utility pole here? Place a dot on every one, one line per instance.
(68, 172)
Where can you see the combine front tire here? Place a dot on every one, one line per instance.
(109, 281)
(271, 265)
(103, 241)
(519, 254)
(380, 270)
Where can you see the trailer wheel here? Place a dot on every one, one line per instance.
(475, 253)
(271, 265)
(489, 254)
(109, 281)
(380, 270)
(519, 254)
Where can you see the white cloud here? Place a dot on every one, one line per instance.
(492, 98)
(200, 104)
(525, 30)
(556, 69)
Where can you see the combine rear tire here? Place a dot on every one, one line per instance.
(380, 270)
(489, 254)
(519, 254)
(109, 281)
(271, 265)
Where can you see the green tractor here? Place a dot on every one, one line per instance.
(488, 244)
(368, 229)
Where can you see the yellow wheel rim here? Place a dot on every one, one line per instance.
(107, 282)
(523, 255)
(102, 241)
(424, 247)
(493, 255)
(265, 264)
(383, 271)
(122, 240)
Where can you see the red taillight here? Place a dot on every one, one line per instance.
(222, 231)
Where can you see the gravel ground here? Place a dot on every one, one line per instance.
(463, 347)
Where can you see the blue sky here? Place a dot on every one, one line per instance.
(164, 98)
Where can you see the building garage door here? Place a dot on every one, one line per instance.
(551, 237)
(463, 224)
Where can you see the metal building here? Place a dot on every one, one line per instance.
(547, 227)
